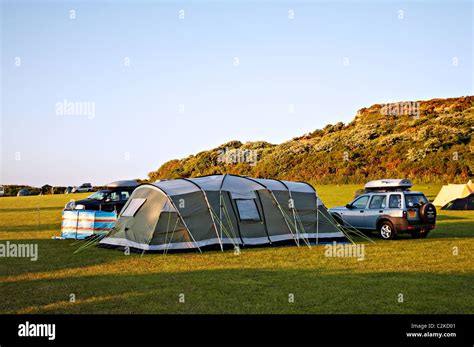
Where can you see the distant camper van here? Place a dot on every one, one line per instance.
(2, 191)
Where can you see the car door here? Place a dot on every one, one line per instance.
(111, 202)
(355, 216)
(377, 207)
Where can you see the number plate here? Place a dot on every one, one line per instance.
(412, 214)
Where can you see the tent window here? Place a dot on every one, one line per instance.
(248, 210)
(133, 207)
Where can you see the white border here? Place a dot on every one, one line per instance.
(113, 241)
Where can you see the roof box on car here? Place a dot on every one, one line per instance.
(389, 184)
(124, 183)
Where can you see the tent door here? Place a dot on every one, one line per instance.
(251, 220)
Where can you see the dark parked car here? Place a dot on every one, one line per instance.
(111, 199)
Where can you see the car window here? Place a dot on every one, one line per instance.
(114, 196)
(415, 199)
(378, 201)
(100, 195)
(124, 195)
(361, 202)
(395, 201)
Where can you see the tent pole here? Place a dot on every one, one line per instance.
(317, 218)
(220, 204)
(209, 209)
(263, 215)
(180, 217)
(185, 225)
(220, 214)
(276, 202)
(293, 211)
(229, 221)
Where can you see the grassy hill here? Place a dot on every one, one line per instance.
(427, 141)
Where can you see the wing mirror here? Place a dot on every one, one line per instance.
(349, 206)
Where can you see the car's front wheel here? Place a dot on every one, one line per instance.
(387, 231)
(337, 219)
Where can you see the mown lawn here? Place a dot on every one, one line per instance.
(434, 275)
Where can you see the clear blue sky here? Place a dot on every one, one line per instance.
(138, 123)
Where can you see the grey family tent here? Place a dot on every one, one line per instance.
(220, 211)
(466, 203)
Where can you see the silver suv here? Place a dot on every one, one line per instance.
(83, 188)
(389, 207)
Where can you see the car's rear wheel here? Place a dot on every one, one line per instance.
(387, 230)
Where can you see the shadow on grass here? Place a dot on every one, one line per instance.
(463, 228)
(62, 256)
(31, 227)
(441, 217)
(244, 291)
(30, 209)
(446, 231)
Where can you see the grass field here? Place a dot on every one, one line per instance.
(427, 273)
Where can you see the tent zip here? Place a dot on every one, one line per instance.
(180, 217)
(222, 203)
(209, 209)
(264, 218)
(296, 215)
(277, 203)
